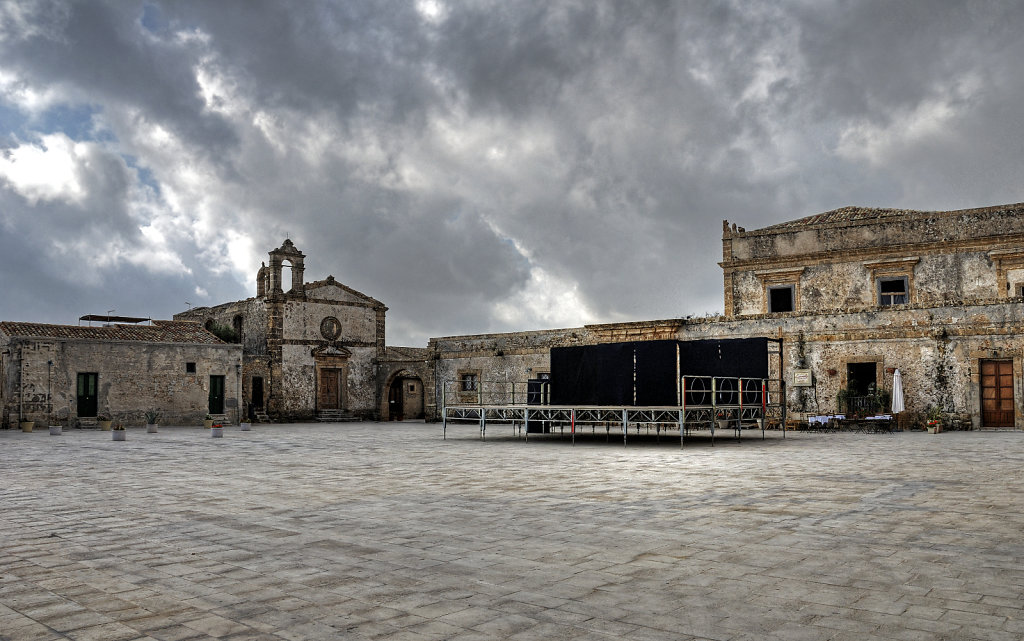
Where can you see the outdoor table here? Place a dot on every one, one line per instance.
(878, 423)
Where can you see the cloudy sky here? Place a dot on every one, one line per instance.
(477, 166)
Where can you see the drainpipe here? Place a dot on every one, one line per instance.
(238, 392)
(49, 399)
(21, 383)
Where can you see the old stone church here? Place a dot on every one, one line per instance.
(314, 350)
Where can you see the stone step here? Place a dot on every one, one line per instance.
(335, 416)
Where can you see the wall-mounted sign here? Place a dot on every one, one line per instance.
(802, 378)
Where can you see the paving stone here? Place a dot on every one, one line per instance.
(373, 531)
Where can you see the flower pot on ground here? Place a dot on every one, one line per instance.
(56, 430)
(208, 422)
(117, 433)
(104, 425)
(217, 431)
(245, 427)
(152, 416)
(151, 428)
(26, 426)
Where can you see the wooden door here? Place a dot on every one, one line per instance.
(216, 395)
(395, 401)
(331, 394)
(87, 401)
(997, 394)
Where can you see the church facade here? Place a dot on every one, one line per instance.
(309, 350)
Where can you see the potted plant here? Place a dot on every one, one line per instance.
(208, 422)
(103, 420)
(152, 416)
(26, 425)
(723, 420)
(934, 422)
(245, 426)
(117, 432)
(217, 430)
(56, 430)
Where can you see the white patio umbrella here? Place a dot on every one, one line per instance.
(897, 392)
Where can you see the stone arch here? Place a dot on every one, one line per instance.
(403, 397)
(237, 325)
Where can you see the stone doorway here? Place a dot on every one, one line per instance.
(405, 398)
(257, 394)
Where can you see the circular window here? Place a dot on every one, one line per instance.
(330, 328)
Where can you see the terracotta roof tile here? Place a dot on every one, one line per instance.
(405, 353)
(847, 215)
(160, 331)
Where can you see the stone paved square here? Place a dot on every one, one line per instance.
(386, 531)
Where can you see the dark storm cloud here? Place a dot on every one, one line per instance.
(97, 53)
(485, 166)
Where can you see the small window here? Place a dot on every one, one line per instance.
(1019, 290)
(780, 299)
(190, 368)
(892, 291)
(412, 387)
(469, 382)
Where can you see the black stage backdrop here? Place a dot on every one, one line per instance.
(643, 373)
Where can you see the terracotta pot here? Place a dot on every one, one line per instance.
(26, 426)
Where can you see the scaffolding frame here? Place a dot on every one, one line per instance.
(706, 403)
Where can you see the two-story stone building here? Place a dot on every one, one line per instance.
(854, 293)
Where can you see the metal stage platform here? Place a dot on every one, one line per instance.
(707, 404)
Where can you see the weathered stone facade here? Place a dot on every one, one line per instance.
(406, 384)
(851, 292)
(70, 374)
(311, 351)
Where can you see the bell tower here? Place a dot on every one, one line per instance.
(269, 282)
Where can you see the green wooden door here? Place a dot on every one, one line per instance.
(216, 395)
(87, 385)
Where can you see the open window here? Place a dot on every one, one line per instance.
(893, 291)
(781, 289)
(781, 299)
